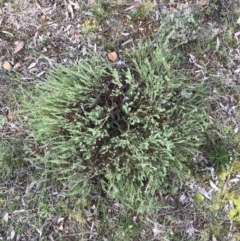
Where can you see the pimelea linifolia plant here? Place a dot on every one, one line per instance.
(121, 133)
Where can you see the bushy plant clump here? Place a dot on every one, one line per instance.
(125, 133)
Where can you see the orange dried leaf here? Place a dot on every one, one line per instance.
(17, 65)
(10, 117)
(202, 3)
(91, 2)
(173, 10)
(113, 56)
(77, 38)
(7, 65)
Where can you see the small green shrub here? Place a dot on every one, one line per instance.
(125, 132)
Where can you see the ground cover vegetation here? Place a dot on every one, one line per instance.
(127, 130)
(126, 124)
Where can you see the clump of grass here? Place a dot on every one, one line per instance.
(143, 11)
(122, 133)
(11, 155)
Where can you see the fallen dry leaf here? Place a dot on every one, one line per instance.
(7, 65)
(213, 185)
(60, 227)
(211, 120)
(238, 21)
(19, 46)
(204, 193)
(32, 65)
(136, 5)
(5, 217)
(12, 235)
(217, 45)
(75, 5)
(10, 116)
(214, 238)
(70, 9)
(46, 10)
(236, 35)
(18, 211)
(77, 38)
(30, 186)
(113, 56)
(60, 220)
(91, 2)
(173, 10)
(202, 3)
(186, 5)
(234, 180)
(72, 31)
(17, 65)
